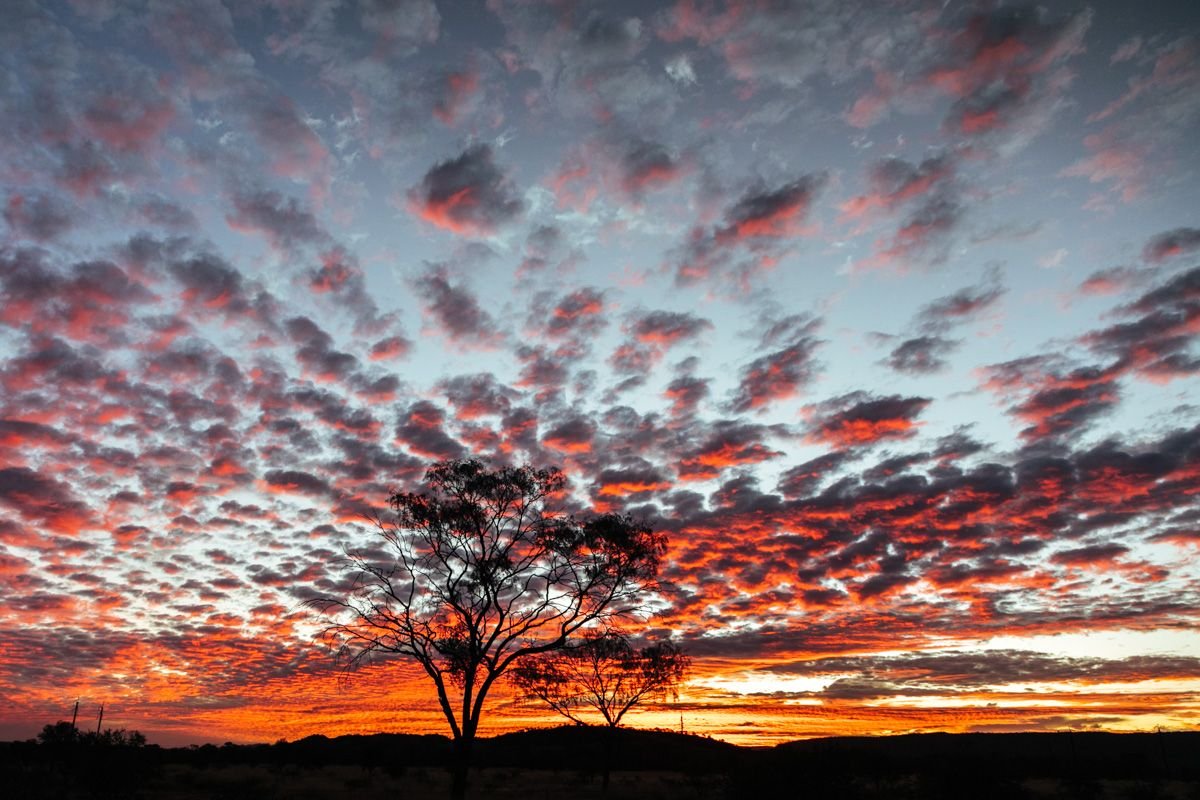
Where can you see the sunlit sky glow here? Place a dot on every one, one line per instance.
(885, 312)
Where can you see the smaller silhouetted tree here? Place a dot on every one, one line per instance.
(602, 673)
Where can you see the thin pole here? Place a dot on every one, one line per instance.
(100, 719)
(74, 715)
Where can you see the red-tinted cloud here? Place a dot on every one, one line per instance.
(1171, 244)
(467, 195)
(855, 420)
(457, 88)
(44, 500)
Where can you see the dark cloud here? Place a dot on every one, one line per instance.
(929, 197)
(43, 499)
(641, 479)
(803, 479)
(467, 195)
(455, 310)
(858, 419)
(541, 371)
(1112, 280)
(162, 213)
(296, 481)
(754, 233)
(40, 217)
(1158, 342)
(573, 435)
(961, 670)
(894, 181)
(962, 306)
(646, 166)
(210, 284)
(1089, 555)
(1172, 244)
(769, 213)
(921, 355)
(421, 430)
(1000, 67)
(284, 221)
(478, 395)
(453, 92)
(667, 328)
(781, 373)
(727, 444)
(579, 313)
(686, 393)
(315, 351)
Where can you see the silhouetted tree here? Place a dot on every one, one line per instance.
(601, 672)
(479, 572)
(64, 733)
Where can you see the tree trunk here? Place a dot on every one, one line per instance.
(609, 732)
(460, 767)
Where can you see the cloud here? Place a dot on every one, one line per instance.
(1172, 244)
(783, 372)
(44, 500)
(921, 355)
(777, 213)
(1000, 66)
(1158, 342)
(928, 196)
(1101, 555)
(635, 481)
(390, 348)
(40, 217)
(315, 352)
(456, 90)
(754, 233)
(577, 314)
(402, 26)
(574, 435)
(803, 479)
(455, 311)
(686, 393)
(646, 166)
(1144, 126)
(421, 430)
(282, 220)
(1054, 401)
(728, 444)
(651, 335)
(478, 395)
(955, 309)
(467, 195)
(894, 181)
(859, 419)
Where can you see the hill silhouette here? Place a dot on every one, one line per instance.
(934, 765)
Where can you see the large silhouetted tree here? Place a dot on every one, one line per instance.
(480, 571)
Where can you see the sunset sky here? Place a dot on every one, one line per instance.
(885, 312)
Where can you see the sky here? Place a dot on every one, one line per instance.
(884, 312)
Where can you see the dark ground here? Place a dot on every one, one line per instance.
(567, 762)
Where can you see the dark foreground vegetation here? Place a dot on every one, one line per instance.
(567, 762)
